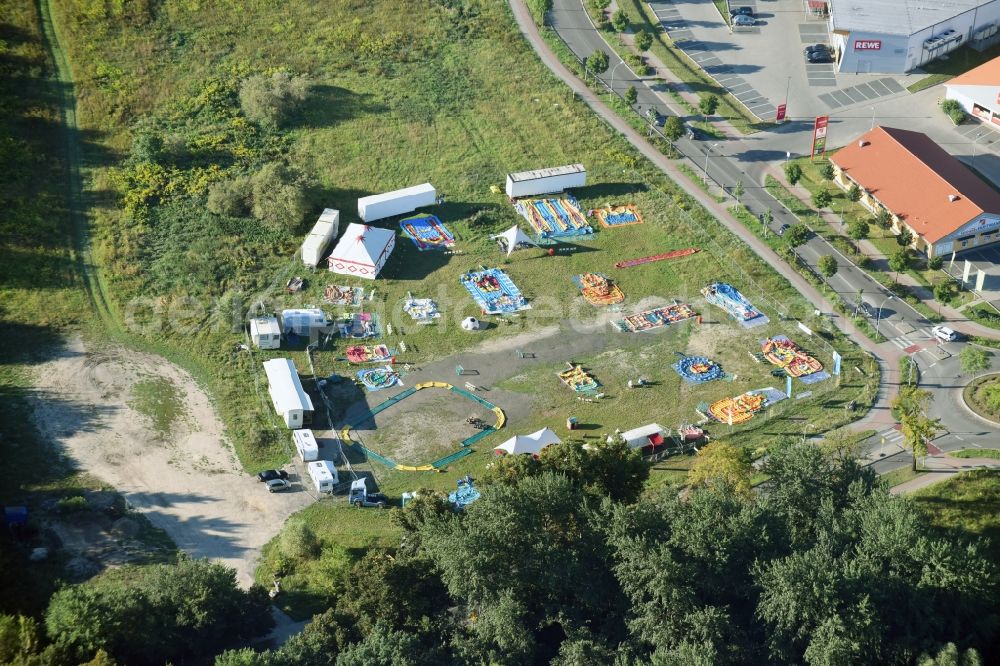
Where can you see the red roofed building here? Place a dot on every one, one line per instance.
(945, 205)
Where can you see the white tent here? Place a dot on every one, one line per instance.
(362, 251)
(514, 237)
(533, 443)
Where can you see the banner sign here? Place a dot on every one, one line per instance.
(805, 329)
(788, 385)
(836, 363)
(781, 113)
(980, 279)
(965, 273)
(867, 44)
(819, 135)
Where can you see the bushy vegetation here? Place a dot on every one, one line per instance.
(953, 109)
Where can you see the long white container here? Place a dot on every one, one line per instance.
(407, 200)
(323, 475)
(324, 231)
(290, 400)
(302, 321)
(306, 444)
(545, 181)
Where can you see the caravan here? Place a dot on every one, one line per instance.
(265, 333)
(291, 402)
(305, 444)
(323, 475)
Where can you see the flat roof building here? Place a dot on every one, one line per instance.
(943, 204)
(978, 91)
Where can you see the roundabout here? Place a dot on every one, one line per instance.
(982, 397)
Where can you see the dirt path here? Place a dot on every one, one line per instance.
(187, 481)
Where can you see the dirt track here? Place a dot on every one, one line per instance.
(188, 482)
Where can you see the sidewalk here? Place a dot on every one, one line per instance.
(943, 468)
(887, 356)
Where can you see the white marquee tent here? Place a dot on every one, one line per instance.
(362, 251)
(532, 444)
(514, 238)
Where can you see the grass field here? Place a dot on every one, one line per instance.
(975, 453)
(968, 504)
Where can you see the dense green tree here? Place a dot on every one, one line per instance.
(598, 62)
(607, 469)
(858, 230)
(720, 462)
(428, 506)
(917, 428)
(793, 172)
(251, 657)
(643, 40)
(826, 171)
(279, 196)
(951, 655)
(935, 263)
(904, 238)
(147, 146)
(827, 265)
(945, 291)
(631, 96)
(619, 20)
(899, 261)
(854, 192)
(673, 128)
(384, 647)
(320, 642)
(708, 105)
(796, 235)
(882, 219)
(821, 199)
(273, 100)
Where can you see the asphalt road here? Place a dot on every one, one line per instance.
(908, 329)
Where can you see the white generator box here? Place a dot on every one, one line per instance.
(407, 200)
(265, 333)
(323, 232)
(323, 474)
(545, 181)
(306, 444)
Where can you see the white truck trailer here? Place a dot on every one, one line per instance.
(290, 400)
(545, 181)
(398, 202)
(323, 475)
(323, 232)
(306, 444)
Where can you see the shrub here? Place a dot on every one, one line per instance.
(231, 198)
(858, 230)
(72, 504)
(865, 263)
(147, 146)
(643, 40)
(298, 541)
(598, 62)
(793, 172)
(822, 199)
(631, 95)
(953, 109)
(619, 20)
(827, 171)
(945, 291)
(827, 265)
(273, 100)
(279, 196)
(935, 263)
(708, 105)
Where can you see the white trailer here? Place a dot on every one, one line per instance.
(323, 475)
(306, 444)
(265, 333)
(303, 321)
(545, 181)
(381, 206)
(291, 402)
(323, 232)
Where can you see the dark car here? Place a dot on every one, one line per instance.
(819, 57)
(783, 228)
(741, 11)
(816, 48)
(272, 474)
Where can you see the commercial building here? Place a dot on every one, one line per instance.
(896, 36)
(944, 205)
(978, 91)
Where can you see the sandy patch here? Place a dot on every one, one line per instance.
(188, 482)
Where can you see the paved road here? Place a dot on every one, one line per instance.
(728, 163)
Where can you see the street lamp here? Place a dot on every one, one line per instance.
(707, 153)
(878, 315)
(975, 147)
(620, 63)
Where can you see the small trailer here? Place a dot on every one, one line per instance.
(303, 321)
(323, 475)
(545, 181)
(398, 202)
(265, 333)
(323, 232)
(306, 444)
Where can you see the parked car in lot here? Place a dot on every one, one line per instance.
(819, 57)
(741, 11)
(816, 48)
(271, 474)
(277, 485)
(744, 21)
(944, 333)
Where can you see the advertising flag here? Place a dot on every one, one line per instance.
(819, 135)
(781, 113)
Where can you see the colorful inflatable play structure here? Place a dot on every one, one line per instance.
(785, 354)
(598, 289)
(655, 318)
(578, 379)
(698, 369)
(675, 254)
(368, 354)
(345, 432)
(427, 232)
(465, 493)
(494, 292)
(743, 407)
(552, 218)
(734, 303)
(421, 310)
(618, 216)
(343, 295)
(377, 379)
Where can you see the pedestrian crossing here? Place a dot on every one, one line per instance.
(921, 340)
(891, 436)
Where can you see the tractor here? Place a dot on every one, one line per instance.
(360, 497)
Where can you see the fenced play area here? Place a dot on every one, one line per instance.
(465, 445)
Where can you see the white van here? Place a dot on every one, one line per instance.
(323, 474)
(305, 444)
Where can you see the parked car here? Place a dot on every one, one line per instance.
(744, 21)
(819, 57)
(277, 485)
(271, 474)
(741, 11)
(944, 333)
(816, 48)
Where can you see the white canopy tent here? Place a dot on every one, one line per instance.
(531, 444)
(362, 251)
(514, 237)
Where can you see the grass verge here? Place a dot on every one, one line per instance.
(967, 504)
(898, 477)
(982, 396)
(976, 453)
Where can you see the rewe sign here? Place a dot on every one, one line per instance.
(867, 44)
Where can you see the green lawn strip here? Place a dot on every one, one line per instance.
(967, 504)
(975, 453)
(898, 477)
(699, 180)
(978, 393)
(983, 314)
(929, 82)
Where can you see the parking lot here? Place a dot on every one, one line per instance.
(764, 65)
